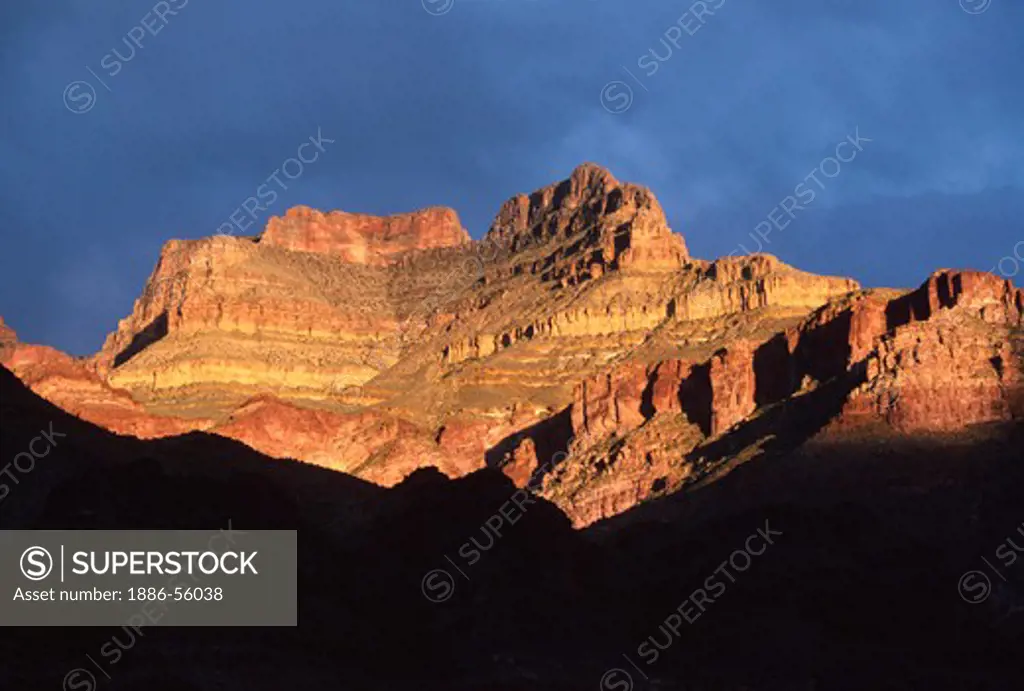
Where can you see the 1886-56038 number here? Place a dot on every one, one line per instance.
(179, 594)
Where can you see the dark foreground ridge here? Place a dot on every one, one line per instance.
(857, 552)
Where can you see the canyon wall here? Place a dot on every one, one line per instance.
(578, 346)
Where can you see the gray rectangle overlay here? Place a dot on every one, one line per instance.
(218, 577)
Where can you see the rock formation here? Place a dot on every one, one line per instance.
(74, 386)
(586, 225)
(937, 360)
(578, 345)
(363, 239)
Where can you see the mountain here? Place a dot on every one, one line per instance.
(662, 410)
(577, 346)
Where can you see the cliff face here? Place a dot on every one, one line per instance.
(578, 346)
(939, 360)
(586, 225)
(363, 239)
(224, 319)
(952, 357)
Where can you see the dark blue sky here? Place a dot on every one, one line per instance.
(730, 113)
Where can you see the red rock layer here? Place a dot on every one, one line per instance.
(375, 446)
(72, 385)
(363, 239)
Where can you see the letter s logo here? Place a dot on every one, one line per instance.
(36, 563)
(79, 97)
(616, 97)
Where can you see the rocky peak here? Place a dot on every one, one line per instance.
(591, 180)
(586, 224)
(361, 238)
